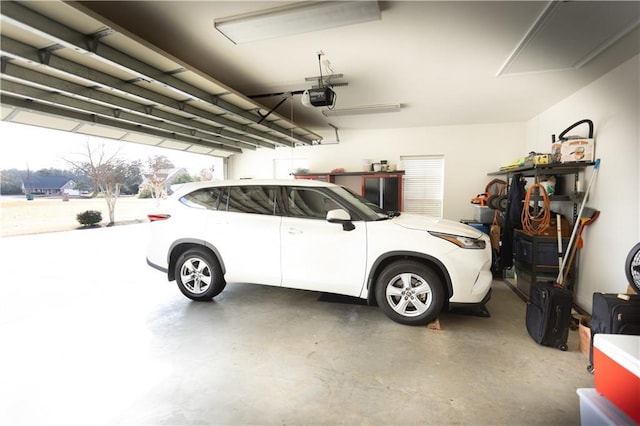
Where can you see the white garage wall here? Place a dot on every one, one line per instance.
(470, 152)
(612, 103)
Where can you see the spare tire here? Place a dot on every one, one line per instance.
(493, 202)
(632, 267)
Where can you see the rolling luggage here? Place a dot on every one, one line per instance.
(614, 314)
(548, 315)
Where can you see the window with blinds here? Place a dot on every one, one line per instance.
(423, 184)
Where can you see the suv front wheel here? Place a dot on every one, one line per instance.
(199, 275)
(410, 293)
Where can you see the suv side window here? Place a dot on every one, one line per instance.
(252, 199)
(309, 203)
(206, 198)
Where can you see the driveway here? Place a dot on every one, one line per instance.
(73, 309)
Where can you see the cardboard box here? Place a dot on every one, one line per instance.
(616, 363)
(584, 333)
(534, 159)
(573, 150)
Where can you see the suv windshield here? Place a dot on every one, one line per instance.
(362, 206)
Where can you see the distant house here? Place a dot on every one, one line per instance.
(163, 177)
(48, 185)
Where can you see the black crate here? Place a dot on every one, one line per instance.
(538, 251)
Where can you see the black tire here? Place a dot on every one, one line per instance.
(492, 202)
(199, 275)
(632, 267)
(410, 293)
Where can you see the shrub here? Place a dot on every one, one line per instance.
(144, 193)
(89, 217)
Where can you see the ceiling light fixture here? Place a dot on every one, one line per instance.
(369, 109)
(296, 19)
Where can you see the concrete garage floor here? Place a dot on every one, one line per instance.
(91, 335)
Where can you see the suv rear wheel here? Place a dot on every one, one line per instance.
(409, 292)
(199, 275)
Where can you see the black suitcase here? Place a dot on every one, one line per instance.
(548, 316)
(612, 314)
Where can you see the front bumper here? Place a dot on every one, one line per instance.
(476, 309)
(158, 267)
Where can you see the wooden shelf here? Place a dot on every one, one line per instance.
(334, 175)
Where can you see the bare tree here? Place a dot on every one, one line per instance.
(158, 167)
(207, 174)
(107, 170)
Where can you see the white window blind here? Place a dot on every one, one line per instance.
(423, 184)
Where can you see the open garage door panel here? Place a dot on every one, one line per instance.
(66, 70)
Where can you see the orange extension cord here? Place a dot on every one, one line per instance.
(536, 225)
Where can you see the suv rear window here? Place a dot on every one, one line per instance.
(251, 199)
(205, 198)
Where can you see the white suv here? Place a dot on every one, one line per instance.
(318, 236)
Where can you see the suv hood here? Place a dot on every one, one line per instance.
(424, 223)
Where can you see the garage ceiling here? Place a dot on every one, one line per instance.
(159, 72)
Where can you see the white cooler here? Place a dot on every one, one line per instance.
(616, 363)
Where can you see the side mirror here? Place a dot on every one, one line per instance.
(342, 217)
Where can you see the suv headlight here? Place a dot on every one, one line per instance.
(461, 241)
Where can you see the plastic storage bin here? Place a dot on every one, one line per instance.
(546, 249)
(596, 410)
(484, 214)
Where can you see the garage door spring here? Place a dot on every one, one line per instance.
(535, 221)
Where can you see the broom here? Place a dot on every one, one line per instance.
(588, 216)
(581, 222)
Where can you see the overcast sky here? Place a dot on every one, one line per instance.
(23, 146)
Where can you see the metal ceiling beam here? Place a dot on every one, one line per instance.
(68, 37)
(85, 117)
(41, 96)
(140, 113)
(18, 50)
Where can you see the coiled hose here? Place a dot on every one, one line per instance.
(536, 225)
